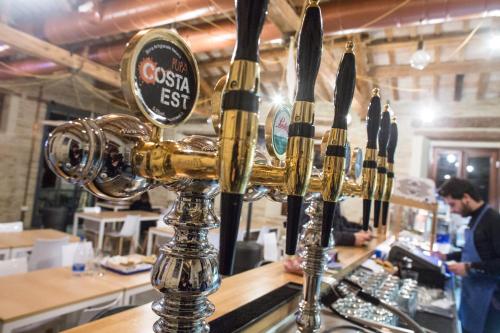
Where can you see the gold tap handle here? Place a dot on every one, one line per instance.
(238, 137)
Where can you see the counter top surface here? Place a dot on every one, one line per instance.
(233, 293)
(30, 293)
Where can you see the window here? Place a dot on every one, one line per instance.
(475, 165)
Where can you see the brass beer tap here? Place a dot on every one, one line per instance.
(239, 125)
(383, 139)
(335, 155)
(300, 148)
(391, 150)
(370, 162)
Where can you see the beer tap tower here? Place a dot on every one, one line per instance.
(117, 157)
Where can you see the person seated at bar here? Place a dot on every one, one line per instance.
(144, 204)
(479, 261)
(345, 233)
(348, 233)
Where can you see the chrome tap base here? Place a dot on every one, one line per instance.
(186, 271)
(314, 260)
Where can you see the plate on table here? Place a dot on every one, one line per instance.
(130, 264)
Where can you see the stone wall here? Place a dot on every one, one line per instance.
(20, 142)
(16, 142)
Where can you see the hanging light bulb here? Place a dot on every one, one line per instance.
(420, 58)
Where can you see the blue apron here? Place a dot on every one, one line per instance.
(477, 289)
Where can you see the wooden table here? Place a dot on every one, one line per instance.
(234, 292)
(21, 242)
(112, 217)
(35, 296)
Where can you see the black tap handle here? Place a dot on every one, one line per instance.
(309, 53)
(344, 88)
(385, 212)
(367, 206)
(393, 141)
(376, 212)
(373, 121)
(383, 135)
(250, 16)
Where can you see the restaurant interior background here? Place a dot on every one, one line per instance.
(439, 69)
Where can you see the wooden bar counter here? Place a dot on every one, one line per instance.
(234, 292)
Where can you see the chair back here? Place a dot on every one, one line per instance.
(87, 314)
(95, 209)
(269, 240)
(68, 252)
(11, 226)
(47, 253)
(13, 266)
(130, 226)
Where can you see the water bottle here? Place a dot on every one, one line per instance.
(79, 259)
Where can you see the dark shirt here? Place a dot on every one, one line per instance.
(486, 240)
(343, 231)
(141, 205)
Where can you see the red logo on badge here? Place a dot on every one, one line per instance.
(147, 69)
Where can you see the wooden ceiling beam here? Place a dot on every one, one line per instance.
(31, 45)
(389, 34)
(363, 85)
(283, 16)
(465, 67)
(436, 79)
(459, 122)
(448, 39)
(460, 135)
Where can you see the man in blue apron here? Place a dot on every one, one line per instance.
(479, 262)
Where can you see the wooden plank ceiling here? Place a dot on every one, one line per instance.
(464, 65)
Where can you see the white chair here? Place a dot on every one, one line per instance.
(129, 231)
(68, 252)
(11, 226)
(47, 253)
(87, 314)
(91, 228)
(269, 240)
(13, 266)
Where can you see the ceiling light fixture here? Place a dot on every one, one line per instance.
(278, 99)
(420, 58)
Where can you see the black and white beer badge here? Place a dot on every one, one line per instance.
(166, 81)
(161, 77)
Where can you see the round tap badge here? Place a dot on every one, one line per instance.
(160, 77)
(277, 123)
